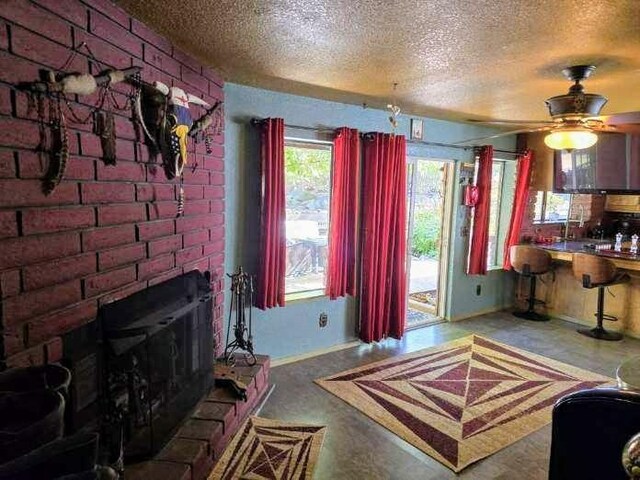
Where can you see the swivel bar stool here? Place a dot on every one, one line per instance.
(530, 262)
(597, 272)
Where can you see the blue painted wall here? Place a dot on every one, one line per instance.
(294, 330)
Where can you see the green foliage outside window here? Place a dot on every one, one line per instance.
(427, 221)
(425, 241)
(308, 177)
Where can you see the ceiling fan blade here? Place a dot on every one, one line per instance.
(477, 141)
(601, 127)
(630, 128)
(514, 122)
(619, 118)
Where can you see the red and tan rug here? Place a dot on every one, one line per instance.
(270, 449)
(463, 400)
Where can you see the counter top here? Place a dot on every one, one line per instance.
(579, 246)
(564, 250)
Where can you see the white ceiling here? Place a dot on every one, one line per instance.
(453, 59)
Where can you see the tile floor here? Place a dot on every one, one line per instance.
(358, 448)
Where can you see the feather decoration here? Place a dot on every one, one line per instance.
(180, 201)
(58, 156)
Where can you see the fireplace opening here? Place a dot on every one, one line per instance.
(142, 366)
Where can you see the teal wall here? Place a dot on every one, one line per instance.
(294, 329)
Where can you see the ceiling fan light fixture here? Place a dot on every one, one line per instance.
(570, 139)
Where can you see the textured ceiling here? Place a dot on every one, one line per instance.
(454, 59)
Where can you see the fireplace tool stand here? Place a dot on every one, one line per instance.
(225, 374)
(242, 290)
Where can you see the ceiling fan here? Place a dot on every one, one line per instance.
(575, 117)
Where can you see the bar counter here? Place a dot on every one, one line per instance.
(564, 250)
(568, 300)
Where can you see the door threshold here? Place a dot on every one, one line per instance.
(422, 307)
(428, 323)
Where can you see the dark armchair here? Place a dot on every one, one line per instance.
(589, 431)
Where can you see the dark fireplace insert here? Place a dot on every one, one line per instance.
(141, 367)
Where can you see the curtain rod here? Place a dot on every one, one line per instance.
(255, 121)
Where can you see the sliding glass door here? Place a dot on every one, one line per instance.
(428, 204)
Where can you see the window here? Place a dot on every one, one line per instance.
(497, 176)
(500, 204)
(308, 194)
(551, 207)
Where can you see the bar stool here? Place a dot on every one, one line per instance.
(597, 272)
(530, 262)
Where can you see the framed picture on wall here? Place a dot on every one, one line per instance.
(416, 129)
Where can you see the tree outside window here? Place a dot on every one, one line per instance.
(308, 195)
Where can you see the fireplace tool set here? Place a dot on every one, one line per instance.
(242, 290)
(241, 301)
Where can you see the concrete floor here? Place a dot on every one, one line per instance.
(356, 447)
(423, 275)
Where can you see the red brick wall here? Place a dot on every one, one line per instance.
(106, 231)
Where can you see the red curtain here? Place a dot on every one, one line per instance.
(341, 271)
(520, 201)
(273, 247)
(383, 290)
(479, 240)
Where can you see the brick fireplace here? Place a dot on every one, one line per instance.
(106, 232)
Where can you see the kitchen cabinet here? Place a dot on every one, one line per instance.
(613, 164)
(622, 203)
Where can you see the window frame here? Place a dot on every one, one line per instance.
(543, 209)
(291, 141)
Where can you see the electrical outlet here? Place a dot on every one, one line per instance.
(323, 320)
(478, 289)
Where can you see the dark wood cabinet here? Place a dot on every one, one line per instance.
(611, 165)
(611, 162)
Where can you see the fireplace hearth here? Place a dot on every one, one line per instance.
(142, 366)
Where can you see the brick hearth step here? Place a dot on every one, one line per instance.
(203, 436)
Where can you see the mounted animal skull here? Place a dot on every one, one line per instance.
(166, 110)
(176, 124)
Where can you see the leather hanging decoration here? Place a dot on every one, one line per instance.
(104, 127)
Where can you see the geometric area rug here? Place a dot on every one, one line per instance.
(463, 400)
(270, 449)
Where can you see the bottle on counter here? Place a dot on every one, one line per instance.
(634, 243)
(618, 246)
(597, 231)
